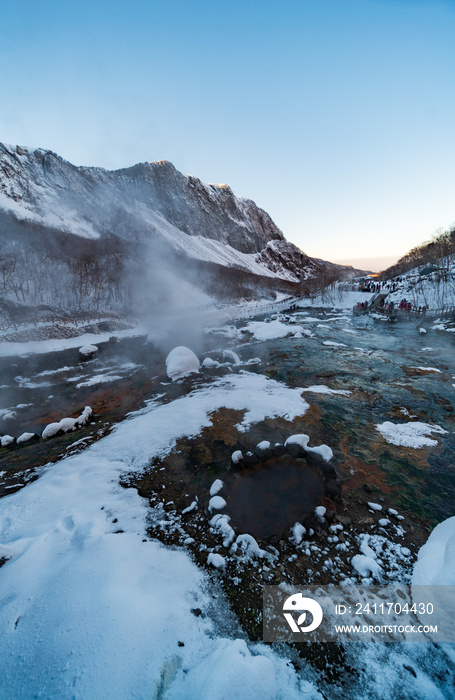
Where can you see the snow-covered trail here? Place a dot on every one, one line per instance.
(90, 610)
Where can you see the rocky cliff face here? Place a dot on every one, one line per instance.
(90, 201)
(93, 218)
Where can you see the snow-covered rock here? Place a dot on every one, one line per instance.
(66, 425)
(320, 511)
(374, 506)
(301, 440)
(216, 487)
(208, 363)
(231, 356)
(220, 523)
(383, 522)
(50, 430)
(190, 508)
(216, 560)
(25, 437)
(324, 450)
(298, 531)
(6, 440)
(217, 503)
(87, 351)
(249, 547)
(181, 362)
(365, 566)
(236, 457)
(264, 445)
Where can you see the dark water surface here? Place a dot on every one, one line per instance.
(273, 495)
(378, 366)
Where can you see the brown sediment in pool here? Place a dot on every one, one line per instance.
(272, 496)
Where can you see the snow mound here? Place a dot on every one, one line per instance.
(435, 563)
(412, 434)
(180, 362)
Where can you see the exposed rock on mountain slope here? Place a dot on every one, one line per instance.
(99, 223)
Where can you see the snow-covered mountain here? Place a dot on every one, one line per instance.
(95, 219)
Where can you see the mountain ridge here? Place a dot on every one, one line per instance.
(89, 222)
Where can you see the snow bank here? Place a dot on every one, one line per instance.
(435, 563)
(412, 434)
(44, 346)
(118, 606)
(180, 362)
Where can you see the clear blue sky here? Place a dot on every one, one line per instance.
(336, 116)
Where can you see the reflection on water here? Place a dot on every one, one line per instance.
(274, 495)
